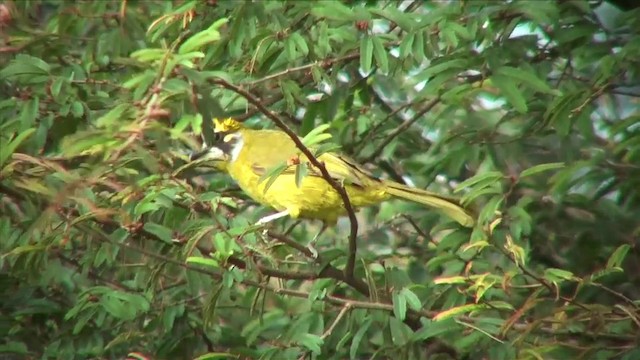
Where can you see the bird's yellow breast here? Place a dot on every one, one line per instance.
(313, 199)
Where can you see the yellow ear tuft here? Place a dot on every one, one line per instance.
(226, 125)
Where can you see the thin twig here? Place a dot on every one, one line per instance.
(283, 73)
(373, 130)
(402, 128)
(322, 63)
(291, 243)
(342, 313)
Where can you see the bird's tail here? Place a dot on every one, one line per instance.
(444, 204)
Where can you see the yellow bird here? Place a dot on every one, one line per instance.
(247, 154)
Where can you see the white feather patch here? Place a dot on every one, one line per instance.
(237, 147)
(215, 153)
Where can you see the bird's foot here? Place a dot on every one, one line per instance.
(311, 244)
(313, 251)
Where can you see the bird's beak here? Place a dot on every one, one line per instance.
(208, 157)
(204, 161)
(194, 156)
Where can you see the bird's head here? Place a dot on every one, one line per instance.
(226, 145)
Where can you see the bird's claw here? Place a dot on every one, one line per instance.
(314, 252)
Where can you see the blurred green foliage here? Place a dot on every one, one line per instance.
(527, 110)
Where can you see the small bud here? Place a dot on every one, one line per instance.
(362, 25)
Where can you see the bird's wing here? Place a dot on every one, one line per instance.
(340, 167)
(344, 169)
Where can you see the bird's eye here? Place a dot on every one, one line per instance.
(217, 136)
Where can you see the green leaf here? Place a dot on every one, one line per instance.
(300, 172)
(393, 14)
(460, 30)
(56, 86)
(29, 113)
(225, 246)
(118, 113)
(357, 338)
(312, 342)
(317, 135)
(452, 241)
(199, 40)
(115, 307)
(290, 49)
(35, 186)
(27, 69)
(218, 24)
(604, 272)
(7, 149)
(366, 54)
(25, 249)
(162, 232)
(406, 45)
(344, 340)
(477, 192)
(12, 348)
(428, 73)
(325, 148)
(448, 280)
(77, 109)
(432, 328)
(616, 259)
(400, 332)
(418, 48)
(203, 261)
(500, 305)
(333, 10)
(215, 356)
(540, 168)
(528, 78)
(450, 37)
(149, 55)
(559, 112)
(411, 298)
(458, 310)
(399, 305)
(144, 207)
(558, 275)
(380, 54)
(271, 175)
(435, 84)
(290, 90)
(510, 91)
(300, 43)
(486, 178)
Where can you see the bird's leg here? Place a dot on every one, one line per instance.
(270, 218)
(311, 243)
